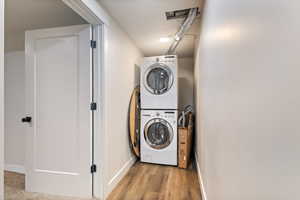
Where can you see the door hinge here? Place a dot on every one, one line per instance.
(93, 106)
(93, 168)
(93, 44)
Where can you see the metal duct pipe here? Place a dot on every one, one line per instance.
(188, 22)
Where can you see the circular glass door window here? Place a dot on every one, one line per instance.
(158, 133)
(159, 79)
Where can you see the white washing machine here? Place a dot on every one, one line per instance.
(159, 136)
(159, 82)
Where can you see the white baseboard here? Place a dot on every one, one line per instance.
(203, 193)
(119, 175)
(15, 168)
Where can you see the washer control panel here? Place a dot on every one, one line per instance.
(167, 115)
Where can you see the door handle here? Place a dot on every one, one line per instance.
(26, 119)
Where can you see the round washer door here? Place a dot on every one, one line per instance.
(158, 133)
(158, 79)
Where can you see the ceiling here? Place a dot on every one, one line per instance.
(22, 15)
(145, 22)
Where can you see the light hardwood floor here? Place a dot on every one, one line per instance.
(157, 182)
(143, 182)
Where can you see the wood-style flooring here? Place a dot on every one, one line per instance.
(143, 182)
(157, 182)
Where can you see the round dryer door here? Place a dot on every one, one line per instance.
(158, 79)
(158, 133)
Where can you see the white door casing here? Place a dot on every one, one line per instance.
(58, 97)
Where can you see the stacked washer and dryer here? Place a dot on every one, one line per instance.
(159, 104)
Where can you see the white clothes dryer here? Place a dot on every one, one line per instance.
(159, 83)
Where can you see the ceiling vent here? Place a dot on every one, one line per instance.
(179, 14)
(183, 29)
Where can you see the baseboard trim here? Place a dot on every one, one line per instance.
(15, 168)
(119, 175)
(203, 193)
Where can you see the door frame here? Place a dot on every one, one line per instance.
(90, 10)
(91, 16)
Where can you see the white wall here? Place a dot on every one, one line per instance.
(186, 82)
(14, 136)
(1, 96)
(248, 99)
(121, 58)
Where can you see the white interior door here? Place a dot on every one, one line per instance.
(58, 97)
